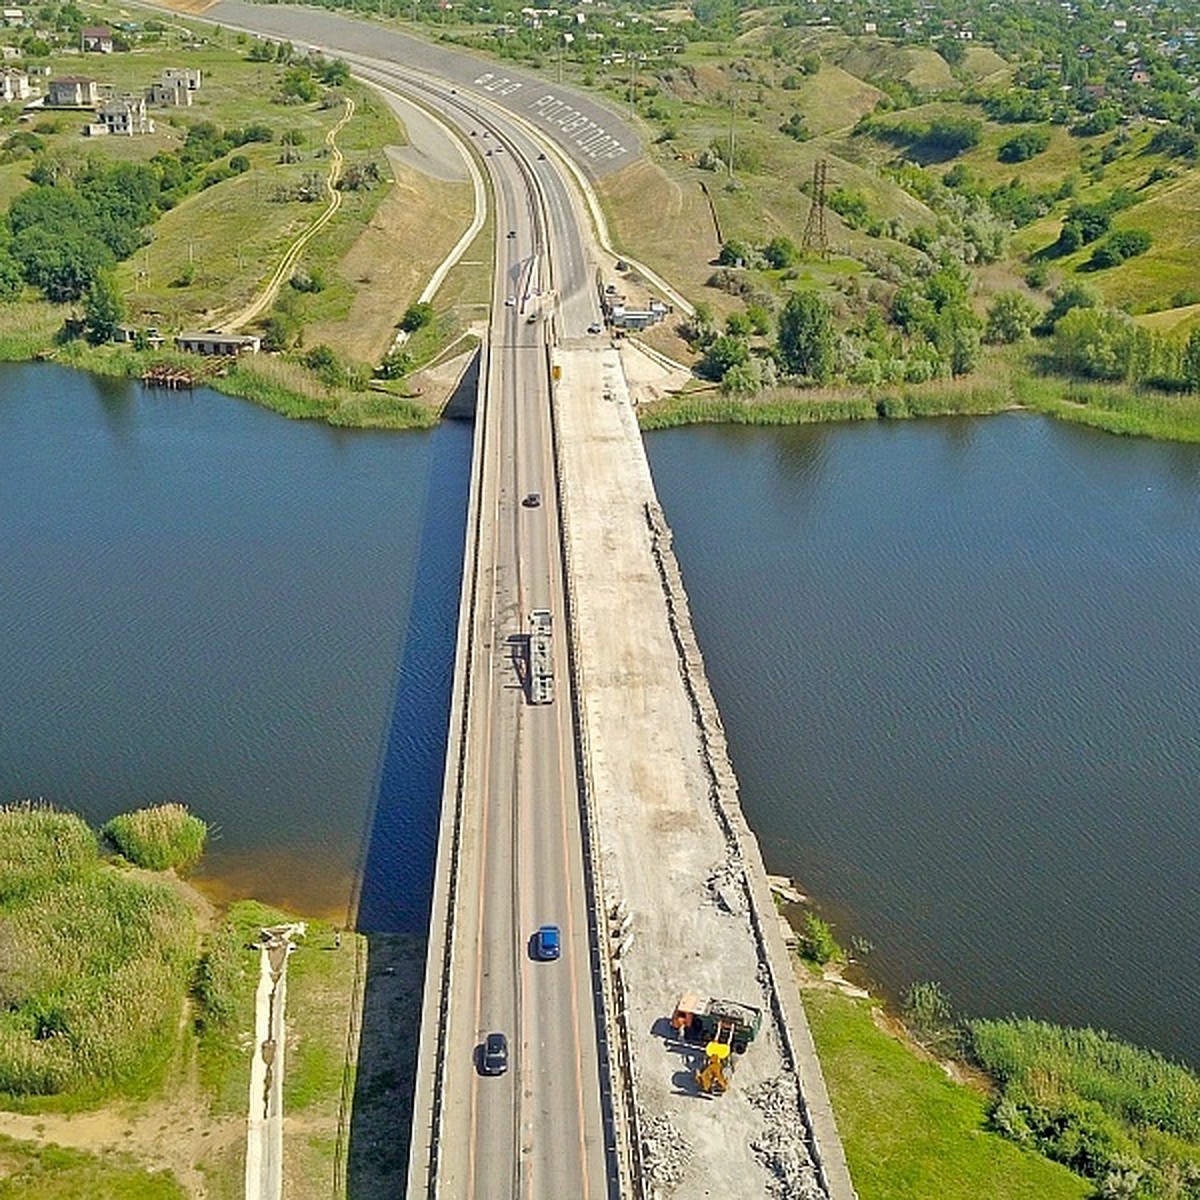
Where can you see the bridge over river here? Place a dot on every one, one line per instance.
(587, 781)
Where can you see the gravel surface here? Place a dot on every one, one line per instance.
(662, 788)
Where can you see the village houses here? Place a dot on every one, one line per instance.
(14, 84)
(123, 116)
(72, 91)
(96, 38)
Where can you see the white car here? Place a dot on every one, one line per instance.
(509, 301)
(594, 327)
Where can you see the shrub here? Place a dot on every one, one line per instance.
(159, 838)
(1117, 247)
(931, 1020)
(817, 942)
(1024, 146)
(417, 316)
(1010, 318)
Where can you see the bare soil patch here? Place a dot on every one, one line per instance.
(425, 216)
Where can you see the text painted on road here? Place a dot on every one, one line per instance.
(593, 141)
(500, 84)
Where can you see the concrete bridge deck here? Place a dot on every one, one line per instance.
(675, 851)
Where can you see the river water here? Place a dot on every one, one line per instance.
(959, 667)
(202, 601)
(957, 661)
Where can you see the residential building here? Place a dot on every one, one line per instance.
(14, 85)
(96, 38)
(218, 343)
(12, 17)
(124, 116)
(174, 94)
(72, 91)
(189, 77)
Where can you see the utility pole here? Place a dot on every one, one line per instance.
(815, 235)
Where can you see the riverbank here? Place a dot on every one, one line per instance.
(32, 332)
(910, 1127)
(1111, 408)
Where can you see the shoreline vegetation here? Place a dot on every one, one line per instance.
(1120, 409)
(131, 999)
(130, 1009)
(932, 1102)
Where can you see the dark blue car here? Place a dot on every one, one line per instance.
(546, 942)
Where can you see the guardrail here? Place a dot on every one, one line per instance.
(425, 1146)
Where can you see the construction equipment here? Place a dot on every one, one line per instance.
(726, 1027)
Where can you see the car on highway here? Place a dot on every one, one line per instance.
(533, 500)
(547, 943)
(494, 1059)
(512, 233)
(509, 301)
(542, 157)
(594, 327)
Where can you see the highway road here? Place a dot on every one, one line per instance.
(538, 1130)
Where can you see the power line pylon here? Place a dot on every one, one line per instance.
(815, 235)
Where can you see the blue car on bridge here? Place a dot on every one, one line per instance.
(546, 943)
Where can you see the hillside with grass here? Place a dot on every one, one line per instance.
(184, 225)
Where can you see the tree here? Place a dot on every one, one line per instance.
(1095, 342)
(61, 263)
(725, 353)
(10, 276)
(957, 338)
(1191, 361)
(103, 308)
(807, 341)
(1010, 318)
(781, 252)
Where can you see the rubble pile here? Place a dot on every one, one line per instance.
(665, 1154)
(782, 1147)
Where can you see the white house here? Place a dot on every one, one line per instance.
(97, 38)
(72, 91)
(125, 116)
(12, 17)
(14, 85)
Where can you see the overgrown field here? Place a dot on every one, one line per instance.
(245, 166)
(96, 965)
(909, 1131)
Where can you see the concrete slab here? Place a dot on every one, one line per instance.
(686, 870)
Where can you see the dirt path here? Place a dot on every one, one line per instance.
(292, 255)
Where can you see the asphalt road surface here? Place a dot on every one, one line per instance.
(536, 1131)
(594, 135)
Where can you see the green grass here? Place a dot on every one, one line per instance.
(52, 1172)
(909, 1132)
(97, 967)
(157, 838)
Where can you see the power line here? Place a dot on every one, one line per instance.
(815, 235)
